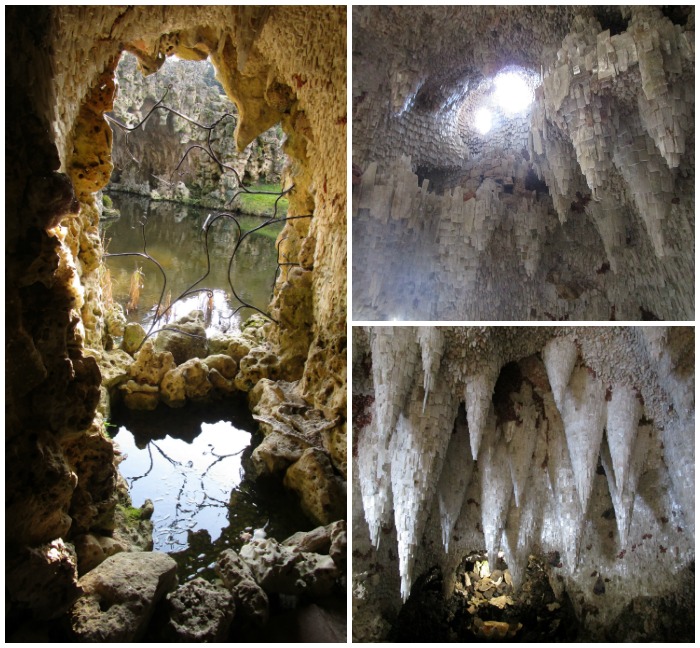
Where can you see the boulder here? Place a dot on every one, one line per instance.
(322, 493)
(150, 366)
(224, 364)
(282, 570)
(133, 336)
(276, 453)
(249, 596)
(93, 549)
(198, 612)
(319, 540)
(188, 381)
(120, 596)
(188, 339)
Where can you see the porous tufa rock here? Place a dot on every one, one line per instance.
(260, 363)
(198, 611)
(224, 364)
(251, 600)
(188, 339)
(149, 365)
(120, 596)
(322, 494)
(114, 367)
(282, 570)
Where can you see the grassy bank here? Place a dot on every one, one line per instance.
(262, 204)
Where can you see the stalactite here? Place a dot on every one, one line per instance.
(523, 443)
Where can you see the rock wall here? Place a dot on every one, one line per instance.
(590, 205)
(286, 64)
(146, 160)
(578, 441)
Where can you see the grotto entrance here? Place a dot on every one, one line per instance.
(190, 227)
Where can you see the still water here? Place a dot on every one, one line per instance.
(174, 236)
(194, 464)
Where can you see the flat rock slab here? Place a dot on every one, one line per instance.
(120, 595)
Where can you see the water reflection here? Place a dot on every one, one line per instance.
(194, 463)
(175, 237)
(189, 483)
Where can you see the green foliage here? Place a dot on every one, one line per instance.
(108, 428)
(106, 201)
(131, 513)
(263, 204)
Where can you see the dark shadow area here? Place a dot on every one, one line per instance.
(484, 608)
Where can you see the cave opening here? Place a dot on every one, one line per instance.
(173, 288)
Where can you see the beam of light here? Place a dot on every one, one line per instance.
(512, 93)
(482, 120)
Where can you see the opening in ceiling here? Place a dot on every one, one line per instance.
(499, 100)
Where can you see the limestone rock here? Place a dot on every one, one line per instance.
(250, 597)
(224, 364)
(120, 596)
(276, 453)
(93, 549)
(149, 365)
(327, 540)
(133, 336)
(115, 321)
(140, 396)
(190, 342)
(283, 570)
(172, 389)
(44, 580)
(259, 363)
(114, 367)
(266, 395)
(322, 493)
(199, 611)
(222, 371)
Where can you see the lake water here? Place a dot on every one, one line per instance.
(175, 237)
(194, 464)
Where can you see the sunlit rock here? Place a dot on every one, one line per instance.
(149, 365)
(185, 339)
(322, 493)
(120, 596)
(280, 569)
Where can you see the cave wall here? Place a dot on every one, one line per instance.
(285, 63)
(592, 209)
(571, 440)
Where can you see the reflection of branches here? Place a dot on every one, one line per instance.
(162, 311)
